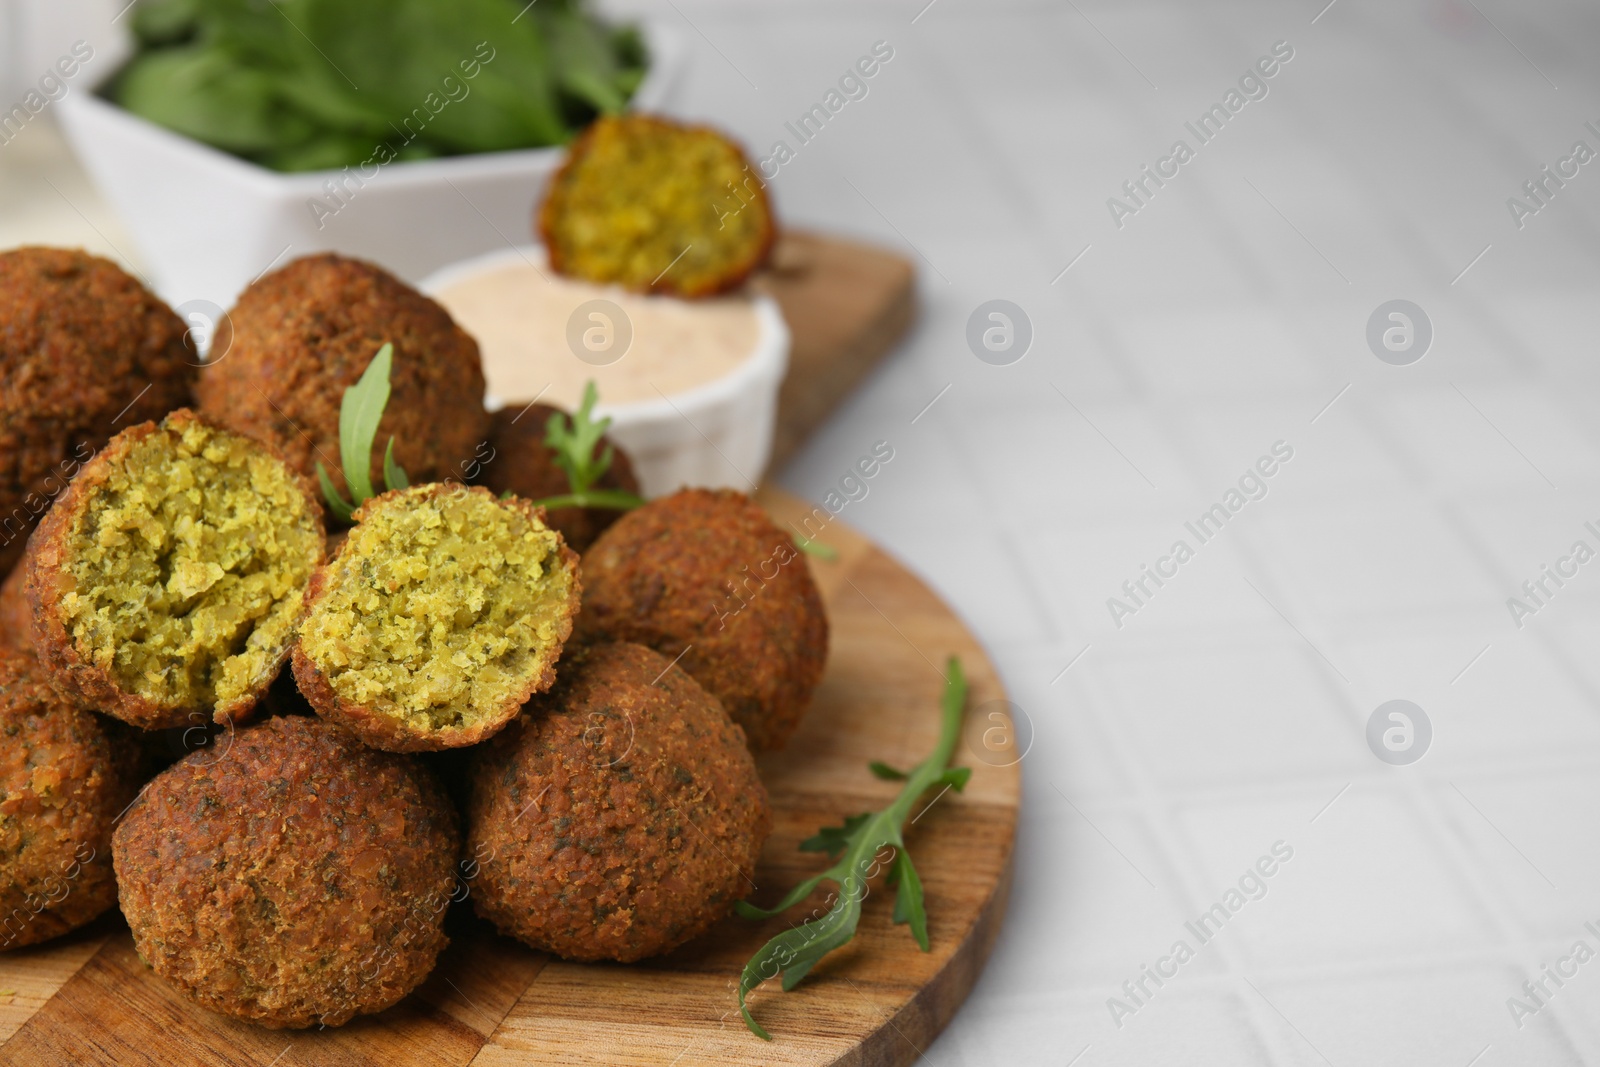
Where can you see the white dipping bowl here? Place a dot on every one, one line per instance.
(718, 434)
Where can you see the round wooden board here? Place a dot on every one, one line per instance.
(878, 1002)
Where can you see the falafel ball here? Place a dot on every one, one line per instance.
(299, 337)
(523, 464)
(65, 776)
(620, 818)
(292, 877)
(16, 620)
(629, 206)
(170, 576)
(83, 348)
(706, 575)
(444, 610)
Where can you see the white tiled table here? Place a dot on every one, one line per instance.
(1230, 712)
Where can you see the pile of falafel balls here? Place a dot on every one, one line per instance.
(548, 715)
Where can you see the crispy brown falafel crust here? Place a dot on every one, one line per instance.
(523, 464)
(707, 575)
(376, 727)
(16, 618)
(65, 775)
(80, 341)
(292, 876)
(300, 336)
(621, 817)
(50, 549)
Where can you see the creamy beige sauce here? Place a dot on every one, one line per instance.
(520, 315)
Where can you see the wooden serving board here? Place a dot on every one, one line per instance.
(846, 305)
(87, 999)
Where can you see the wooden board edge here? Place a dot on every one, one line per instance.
(904, 1039)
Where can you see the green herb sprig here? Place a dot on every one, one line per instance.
(854, 847)
(813, 547)
(574, 443)
(360, 411)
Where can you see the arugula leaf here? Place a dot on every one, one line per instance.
(908, 905)
(834, 839)
(855, 848)
(360, 412)
(342, 509)
(394, 476)
(592, 498)
(812, 548)
(574, 444)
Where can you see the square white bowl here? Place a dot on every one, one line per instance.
(207, 223)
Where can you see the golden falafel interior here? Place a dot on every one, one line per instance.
(439, 608)
(189, 567)
(632, 208)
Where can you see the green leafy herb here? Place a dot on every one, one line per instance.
(360, 411)
(394, 475)
(854, 847)
(574, 443)
(324, 84)
(813, 548)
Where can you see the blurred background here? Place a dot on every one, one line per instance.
(1221, 313)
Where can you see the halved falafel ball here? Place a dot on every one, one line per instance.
(621, 817)
(706, 575)
(300, 336)
(65, 776)
(443, 611)
(170, 576)
(16, 619)
(291, 877)
(84, 351)
(523, 464)
(636, 204)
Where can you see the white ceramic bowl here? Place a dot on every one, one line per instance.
(717, 435)
(207, 223)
